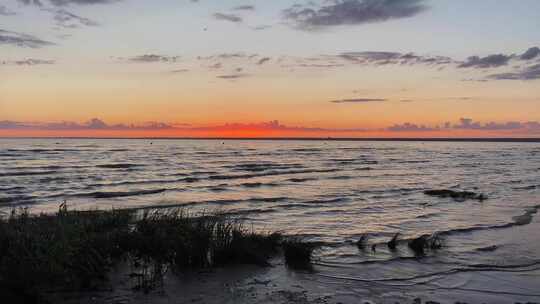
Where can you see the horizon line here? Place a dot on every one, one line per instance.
(414, 139)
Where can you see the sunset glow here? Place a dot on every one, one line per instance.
(209, 69)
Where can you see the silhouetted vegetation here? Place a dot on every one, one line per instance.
(456, 195)
(75, 250)
(297, 253)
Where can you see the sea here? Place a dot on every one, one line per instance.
(327, 192)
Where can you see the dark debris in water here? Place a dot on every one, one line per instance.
(456, 195)
(420, 244)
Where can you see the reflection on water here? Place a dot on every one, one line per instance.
(330, 192)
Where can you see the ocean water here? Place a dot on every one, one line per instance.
(330, 192)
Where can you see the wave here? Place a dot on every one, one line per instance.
(9, 155)
(21, 199)
(301, 180)
(528, 187)
(7, 189)
(252, 185)
(218, 189)
(341, 177)
(26, 173)
(464, 268)
(214, 202)
(201, 173)
(113, 194)
(306, 150)
(246, 212)
(518, 220)
(260, 167)
(271, 173)
(363, 169)
(342, 160)
(118, 166)
(312, 203)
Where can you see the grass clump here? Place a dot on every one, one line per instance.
(69, 250)
(298, 254)
(75, 250)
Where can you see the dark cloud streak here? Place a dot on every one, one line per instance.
(4, 11)
(228, 17)
(153, 58)
(490, 61)
(22, 40)
(528, 73)
(358, 100)
(351, 12)
(67, 2)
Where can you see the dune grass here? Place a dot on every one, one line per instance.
(76, 250)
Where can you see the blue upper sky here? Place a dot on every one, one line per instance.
(451, 28)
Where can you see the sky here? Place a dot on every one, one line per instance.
(280, 68)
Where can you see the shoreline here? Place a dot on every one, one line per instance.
(274, 282)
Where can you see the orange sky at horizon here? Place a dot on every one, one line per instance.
(69, 61)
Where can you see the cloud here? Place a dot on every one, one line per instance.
(4, 11)
(319, 65)
(152, 58)
(261, 27)
(385, 58)
(351, 12)
(66, 2)
(410, 127)
(490, 61)
(470, 124)
(358, 100)
(92, 124)
(273, 125)
(263, 60)
(230, 60)
(527, 73)
(276, 128)
(178, 71)
(233, 76)
(530, 54)
(498, 60)
(228, 56)
(32, 61)
(66, 19)
(228, 17)
(244, 8)
(22, 40)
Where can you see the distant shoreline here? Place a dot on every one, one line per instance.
(378, 139)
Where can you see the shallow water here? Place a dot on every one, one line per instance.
(328, 191)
